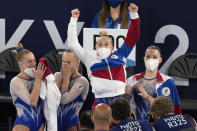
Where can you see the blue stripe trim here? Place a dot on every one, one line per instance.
(124, 50)
(107, 100)
(64, 92)
(25, 78)
(113, 63)
(130, 62)
(99, 66)
(75, 78)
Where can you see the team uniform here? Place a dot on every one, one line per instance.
(31, 117)
(71, 102)
(132, 125)
(114, 24)
(173, 123)
(162, 85)
(107, 76)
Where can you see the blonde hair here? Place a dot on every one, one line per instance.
(21, 52)
(162, 106)
(69, 51)
(105, 34)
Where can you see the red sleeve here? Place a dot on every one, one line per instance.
(133, 33)
(177, 109)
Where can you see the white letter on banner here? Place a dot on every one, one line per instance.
(91, 35)
(55, 36)
(17, 35)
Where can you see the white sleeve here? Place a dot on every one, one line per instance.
(79, 88)
(134, 15)
(17, 87)
(57, 76)
(73, 43)
(130, 97)
(43, 91)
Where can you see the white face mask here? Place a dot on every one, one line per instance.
(104, 52)
(29, 71)
(152, 64)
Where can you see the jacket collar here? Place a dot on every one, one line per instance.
(159, 77)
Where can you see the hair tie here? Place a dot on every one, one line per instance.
(19, 49)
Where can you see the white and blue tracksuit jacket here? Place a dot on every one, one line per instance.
(165, 86)
(107, 76)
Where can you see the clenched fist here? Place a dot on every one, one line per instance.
(75, 13)
(133, 8)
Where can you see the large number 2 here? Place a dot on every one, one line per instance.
(182, 36)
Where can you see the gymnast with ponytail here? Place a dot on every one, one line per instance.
(25, 92)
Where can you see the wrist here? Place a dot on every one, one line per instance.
(134, 15)
(38, 79)
(37, 84)
(147, 97)
(73, 19)
(66, 77)
(60, 80)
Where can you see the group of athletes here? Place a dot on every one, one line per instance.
(44, 100)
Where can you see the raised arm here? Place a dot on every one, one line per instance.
(73, 43)
(133, 33)
(38, 74)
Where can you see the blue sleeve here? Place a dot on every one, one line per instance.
(175, 98)
(123, 51)
(95, 22)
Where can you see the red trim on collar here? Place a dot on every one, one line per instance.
(138, 76)
(159, 77)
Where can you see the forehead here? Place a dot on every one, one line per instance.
(68, 56)
(152, 52)
(104, 39)
(28, 56)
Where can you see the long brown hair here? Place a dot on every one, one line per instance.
(104, 13)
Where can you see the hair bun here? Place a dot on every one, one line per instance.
(103, 33)
(19, 47)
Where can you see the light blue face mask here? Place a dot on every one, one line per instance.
(114, 3)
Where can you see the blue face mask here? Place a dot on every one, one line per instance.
(114, 3)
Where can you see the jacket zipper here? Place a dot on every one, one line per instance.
(109, 69)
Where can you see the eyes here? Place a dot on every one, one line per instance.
(151, 56)
(103, 44)
(68, 62)
(31, 61)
